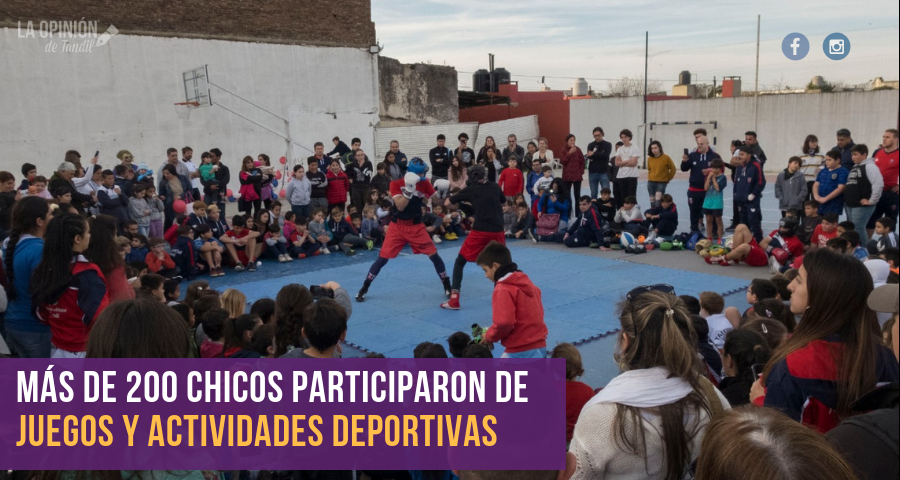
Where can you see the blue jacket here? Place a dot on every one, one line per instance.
(137, 254)
(19, 312)
(668, 219)
(696, 163)
(589, 222)
(183, 254)
(559, 206)
(749, 178)
(532, 179)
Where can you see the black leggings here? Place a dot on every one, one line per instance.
(458, 267)
(250, 207)
(576, 193)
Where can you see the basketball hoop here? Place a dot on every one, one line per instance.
(183, 110)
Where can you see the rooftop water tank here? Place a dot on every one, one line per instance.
(580, 88)
(481, 81)
(684, 78)
(501, 77)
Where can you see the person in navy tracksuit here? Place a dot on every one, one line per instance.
(183, 252)
(587, 229)
(662, 221)
(697, 162)
(749, 182)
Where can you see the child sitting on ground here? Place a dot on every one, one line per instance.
(606, 205)
(318, 230)
(339, 228)
(524, 223)
(712, 306)
(208, 250)
(577, 393)
(353, 239)
(510, 216)
(139, 249)
(629, 217)
(742, 349)
(370, 229)
(434, 224)
(276, 244)
(845, 226)
(518, 314)
(662, 221)
(183, 253)
(302, 240)
(884, 229)
(214, 329)
(809, 222)
(825, 231)
(158, 261)
(838, 245)
(458, 343)
(857, 250)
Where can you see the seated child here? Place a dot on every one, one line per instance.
(577, 393)
(241, 244)
(370, 229)
(198, 216)
(138, 249)
(208, 250)
(524, 225)
(339, 227)
(744, 247)
(183, 253)
(172, 292)
(845, 226)
(884, 229)
(510, 216)
(353, 239)
(629, 218)
(458, 343)
(810, 221)
(276, 243)
(518, 314)
(214, 328)
(662, 221)
(857, 250)
(838, 245)
(742, 349)
(302, 240)
(319, 230)
(434, 224)
(158, 261)
(712, 306)
(825, 231)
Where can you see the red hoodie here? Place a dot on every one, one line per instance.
(338, 186)
(518, 314)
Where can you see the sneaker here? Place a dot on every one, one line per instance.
(436, 239)
(177, 278)
(361, 296)
(239, 268)
(370, 244)
(594, 245)
(349, 252)
(252, 267)
(453, 303)
(325, 250)
(650, 237)
(774, 266)
(711, 260)
(301, 256)
(283, 258)
(221, 271)
(532, 237)
(451, 236)
(317, 253)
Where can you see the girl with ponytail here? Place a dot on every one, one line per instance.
(237, 335)
(27, 337)
(743, 349)
(67, 290)
(290, 302)
(649, 421)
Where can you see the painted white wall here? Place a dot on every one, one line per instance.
(784, 120)
(121, 95)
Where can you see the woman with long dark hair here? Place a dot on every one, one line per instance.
(492, 163)
(104, 252)
(265, 191)
(236, 339)
(812, 161)
(68, 291)
(649, 421)
(290, 302)
(458, 173)
(482, 153)
(26, 336)
(835, 353)
(172, 187)
(251, 186)
(141, 328)
(743, 348)
(572, 159)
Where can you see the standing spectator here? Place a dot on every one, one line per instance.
(628, 157)
(749, 182)
(251, 186)
(597, 155)
(887, 158)
(732, 165)
(338, 186)
(864, 187)
(215, 193)
(268, 175)
(187, 155)
(572, 159)
(127, 159)
(322, 160)
(399, 159)
(104, 253)
(812, 162)
(62, 178)
(492, 163)
(803, 379)
(111, 199)
(660, 171)
(697, 162)
(318, 182)
(348, 158)
(751, 141)
(790, 187)
(440, 159)
(359, 174)
(844, 144)
(8, 197)
(511, 179)
(298, 192)
(543, 154)
(714, 202)
(830, 184)
(172, 187)
(466, 154)
(513, 148)
(616, 431)
(391, 167)
(172, 159)
(482, 153)
(67, 290)
(26, 336)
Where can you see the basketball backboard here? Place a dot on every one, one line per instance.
(196, 88)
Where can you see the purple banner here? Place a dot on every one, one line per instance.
(230, 414)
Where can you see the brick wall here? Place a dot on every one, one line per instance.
(346, 23)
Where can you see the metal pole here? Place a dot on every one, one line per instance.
(756, 82)
(646, 60)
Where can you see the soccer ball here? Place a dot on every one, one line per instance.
(627, 239)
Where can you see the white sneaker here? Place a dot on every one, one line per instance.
(774, 266)
(325, 250)
(650, 237)
(281, 259)
(436, 239)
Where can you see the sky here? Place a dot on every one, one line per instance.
(604, 40)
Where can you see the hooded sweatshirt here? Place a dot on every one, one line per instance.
(790, 190)
(518, 314)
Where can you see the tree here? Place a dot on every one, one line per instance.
(632, 87)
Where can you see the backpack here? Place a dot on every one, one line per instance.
(692, 240)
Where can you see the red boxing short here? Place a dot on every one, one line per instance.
(403, 233)
(757, 256)
(476, 241)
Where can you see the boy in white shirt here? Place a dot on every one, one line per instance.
(712, 307)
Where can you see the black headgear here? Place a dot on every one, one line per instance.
(477, 174)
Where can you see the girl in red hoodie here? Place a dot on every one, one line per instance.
(338, 186)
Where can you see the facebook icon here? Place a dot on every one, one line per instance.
(795, 46)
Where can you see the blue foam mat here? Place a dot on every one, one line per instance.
(402, 309)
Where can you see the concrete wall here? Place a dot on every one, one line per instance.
(417, 94)
(784, 120)
(309, 22)
(121, 95)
